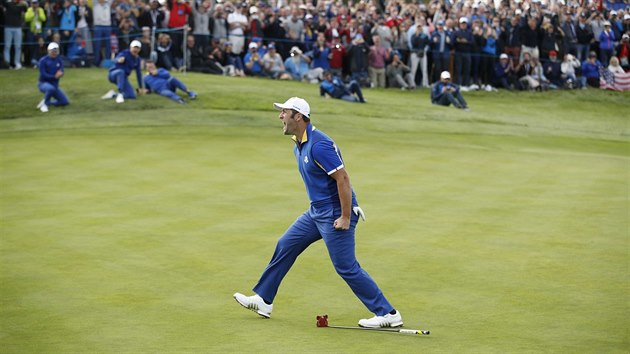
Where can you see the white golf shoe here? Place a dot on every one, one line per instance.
(388, 320)
(109, 95)
(120, 98)
(43, 108)
(254, 303)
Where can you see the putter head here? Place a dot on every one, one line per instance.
(322, 320)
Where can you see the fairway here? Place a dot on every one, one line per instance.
(126, 228)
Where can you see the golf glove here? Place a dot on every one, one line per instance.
(358, 211)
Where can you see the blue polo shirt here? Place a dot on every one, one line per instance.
(48, 67)
(318, 157)
(130, 64)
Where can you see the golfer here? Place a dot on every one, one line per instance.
(332, 216)
(50, 71)
(126, 61)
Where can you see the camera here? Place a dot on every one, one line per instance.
(338, 46)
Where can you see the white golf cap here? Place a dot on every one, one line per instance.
(463, 20)
(445, 75)
(518, 11)
(295, 103)
(53, 46)
(135, 43)
(503, 56)
(252, 45)
(253, 10)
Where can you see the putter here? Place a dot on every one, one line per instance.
(322, 321)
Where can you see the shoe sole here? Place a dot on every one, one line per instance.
(393, 325)
(262, 314)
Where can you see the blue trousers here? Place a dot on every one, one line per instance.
(119, 78)
(315, 224)
(50, 91)
(169, 89)
(102, 37)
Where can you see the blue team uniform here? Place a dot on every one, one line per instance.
(318, 157)
(48, 84)
(118, 73)
(164, 84)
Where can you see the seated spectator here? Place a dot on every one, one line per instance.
(253, 61)
(614, 66)
(233, 62)
(399, 74)
(273, 65)
(161, 82)
(539, 74)
(201, 60)
(504, 73)
(567, 69)
(445, 93)
(525, 73)
(552, 69)
(77, 55)
(335, 88)
(165, 52)
(298, 66)
(590, 71)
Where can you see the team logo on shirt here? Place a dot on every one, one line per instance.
(305, 159)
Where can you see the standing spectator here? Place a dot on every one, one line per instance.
(463, 44)
(102, 29)
(237, 23)
(321, 53)
(590, 71)
(255, 24)
(418, 42)
(35, 17)
(358, 56)
(504, 72)
(152, 17)
(488, 55)
(441, 49)
(337, 55)
(13, 19)
(310, 35)
(569, 28)
(384, 33)
(145, 40)
(551, 40)
(161, 82)
(530, 35)
(377, 58)
(623, 52)
(201, 23)
(445, 93)
(567, 69)
(164, 49)
(67, 23)
(85, 20)
(219, 24)
(606, 45)
(294, 29)
(584, 33)
(479, 41)
(399, 74)
(50, 71)
(177, 20)
(335, 88)
(512, 38)
(126, 61)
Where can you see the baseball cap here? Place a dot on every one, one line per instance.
(53, 46)
(295, 103)
(445, 75)
(440, 23)
(295, 49)
(518, 11)
(271, 46)
(503, 56)
(253, 10)
(553, 53)
(625, 36)
(252, 45)
(135, 43)
(463, 20)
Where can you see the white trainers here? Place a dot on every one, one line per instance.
(109, 95)
(254, 303)
(41, 103)
(120, 98)
(388, 320)
(43, 108)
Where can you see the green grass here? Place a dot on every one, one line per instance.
(127, 228)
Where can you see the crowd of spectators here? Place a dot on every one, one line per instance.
(488, 44)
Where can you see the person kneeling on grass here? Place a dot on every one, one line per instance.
(50, 71)
(445, 93)
(126, 61)
(161, 82)
(335, 88)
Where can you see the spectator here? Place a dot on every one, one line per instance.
(294, 28)
(102, 29)
(552, 70)
(85, 21)
(504, 72)
(146, 40)
(298, 66)
(335, 88)
(445, 93)
(569, 29)
(479, 41)
(164, 49)
(606, 45)
(488, 55)
(77, 55)
(234, 61)
(585, 36)
(525, 72)
(201, 23)
(552, 40)
(463, 45)
(126, 32)
(530, 35)
(219, 24)
(623, 52)
(237, 23)
(567, 69)
(512, 37)
(253, 61)
(321, 53)
(614, 66)
(152, 16)
(418, 43)
(441, 48)
(179, 11)
(377, 58)
(255, 24)
(50, 71)
(161, 82)
(67, 23)
(337, 55)
(399, 74)
(590, 71)
(125, 62)
(34, 17)
(13, 19)
(206, 60)
(358, 56)
(273, 65)
(384, 33)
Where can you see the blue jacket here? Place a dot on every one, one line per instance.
(157, 82)
(436, 90)
(48, 67)
(131, 63)
(334, 88)
(589, 70)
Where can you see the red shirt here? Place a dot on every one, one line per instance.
(336, 62)
(179, 14)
